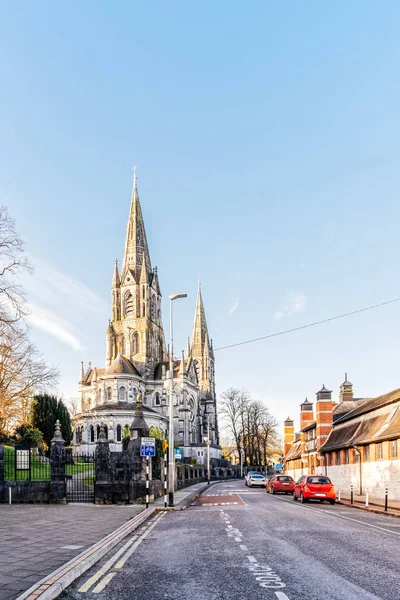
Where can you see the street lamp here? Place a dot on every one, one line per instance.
(171, 450)
(208, 441)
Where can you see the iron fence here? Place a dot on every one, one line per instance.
(80, 472)
(22, 463)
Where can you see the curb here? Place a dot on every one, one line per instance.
(376, 511)
(183, 504)
(52, 585)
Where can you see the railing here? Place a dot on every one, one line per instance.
(22, 463)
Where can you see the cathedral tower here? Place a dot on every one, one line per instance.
(136, 330)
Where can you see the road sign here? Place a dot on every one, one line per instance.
(147, 446)
(278, 467)
(149, 441)
(147, 451)
(178, 453)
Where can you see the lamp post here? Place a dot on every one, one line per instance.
(208, 441)
(171, 450)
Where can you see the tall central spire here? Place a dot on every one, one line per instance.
(200, 330)
(136, 248)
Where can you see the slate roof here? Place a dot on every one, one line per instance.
(372, 404)
(122, 365)
(294, 452)
(372, 425)
(115, 406)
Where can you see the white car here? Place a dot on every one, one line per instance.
(248, 474)
(256, 479)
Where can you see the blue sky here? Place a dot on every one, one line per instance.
(266, 137)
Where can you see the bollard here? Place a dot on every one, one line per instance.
(165, 480)
(339, 495)
(351, 495)
(9, 495)
(366, 499)
(386, 499)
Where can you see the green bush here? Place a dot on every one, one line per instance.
(26, 434)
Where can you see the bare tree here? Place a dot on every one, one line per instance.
(252, 427)
(12, 262)
(23, 373)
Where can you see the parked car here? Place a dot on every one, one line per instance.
(248, 474)
(280, 484)
(314, 487)
(256, 479)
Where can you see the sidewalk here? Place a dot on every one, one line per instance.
(37, 539)
(375, 504)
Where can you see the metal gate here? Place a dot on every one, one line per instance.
(80, 472)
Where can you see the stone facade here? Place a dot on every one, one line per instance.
(136, 363)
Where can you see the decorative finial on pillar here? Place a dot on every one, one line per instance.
(57, 433)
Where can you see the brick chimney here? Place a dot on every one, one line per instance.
(288, 434)
(346, 390)
(306, 413)
(324, 416)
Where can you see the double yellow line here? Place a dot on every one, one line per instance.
(121, 556)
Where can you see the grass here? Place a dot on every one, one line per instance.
(39, 471)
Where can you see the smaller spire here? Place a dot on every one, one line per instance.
(116, 282)
(188, 345)
(182, 370)
(82, 377)
(143, 272)
(94, 377)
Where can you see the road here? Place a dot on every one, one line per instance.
(248, 544)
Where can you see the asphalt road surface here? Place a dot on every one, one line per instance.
(237, 543)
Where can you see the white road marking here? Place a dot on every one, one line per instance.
(281, 596)
(252, 559)
(230, 526)
(335, 514)
(238, 539)
(244, 548)
(102, 584)
(71, 547)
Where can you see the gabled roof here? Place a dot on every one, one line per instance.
(294, 452)
(371, 404)
(122, 366)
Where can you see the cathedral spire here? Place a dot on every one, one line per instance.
(116, 280)
(200, 330)
(136, 248)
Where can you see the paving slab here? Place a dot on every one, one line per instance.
(32, 538)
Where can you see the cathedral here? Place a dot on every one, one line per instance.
(136, 363)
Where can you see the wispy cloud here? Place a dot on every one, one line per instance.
(296, 302)
(54, 325)
(51, 294)
(234, 306)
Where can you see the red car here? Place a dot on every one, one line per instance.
(314, 487)
(280, 483)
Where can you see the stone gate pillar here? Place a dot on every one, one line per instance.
(139, 429)
(58, 485)
(103, 481)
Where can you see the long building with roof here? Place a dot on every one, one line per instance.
(355, 441)
(136, 362)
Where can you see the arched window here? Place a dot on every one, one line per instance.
(88, 404)
(121, 344)
(91, 433)
(99, 395)
(109, 394)
(119, 433)
(106, 431)
(153, 308)
(135, 343)
(97, 432)
(143, 309)
(158, 399)
(122, 394)
(134, 394)
(129, 304)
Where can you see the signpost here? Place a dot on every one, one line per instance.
(147, 449)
